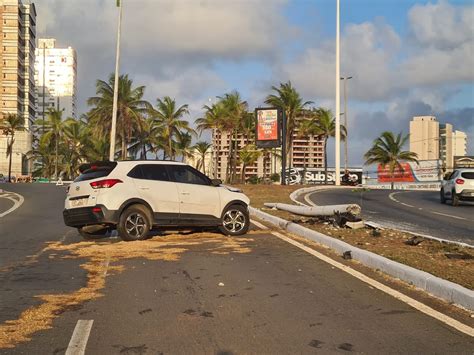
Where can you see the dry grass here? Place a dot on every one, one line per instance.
(97, 256)
(429, 256)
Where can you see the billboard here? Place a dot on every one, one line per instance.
(424, 171)
(317, 176)
(267, 127)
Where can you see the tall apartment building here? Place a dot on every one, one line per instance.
(307, 152)
(55, 78)
(432, 140)
(424, 137)
(17, 96)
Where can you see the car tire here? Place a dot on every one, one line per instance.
(93, 234)
(454, 199)
(134, 223)
(235, 220)
(442, 198)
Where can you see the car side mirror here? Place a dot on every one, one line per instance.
(216, 182)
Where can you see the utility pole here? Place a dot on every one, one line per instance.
(44, 79)
(345, 119)
(337, 178)
(283, 148)
(116, 83)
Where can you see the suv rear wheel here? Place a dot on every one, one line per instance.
(454, 199)
(235, 220)
(134, 223)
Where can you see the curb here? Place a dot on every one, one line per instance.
(446, 290)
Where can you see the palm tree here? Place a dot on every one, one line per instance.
(387, 150)
(248, 156)
(183, 145)
(235, 111)
(54, 126)
(76, 138)
(131, 109)
(212, 120)
(169, 117)
(288, 100)
(9, 125)
(202, 148)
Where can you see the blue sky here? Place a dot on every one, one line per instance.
(407, 57)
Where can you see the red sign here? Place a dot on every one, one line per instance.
(399, 175)
(267, 125)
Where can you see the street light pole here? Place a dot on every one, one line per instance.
(116, 83)
(337, 179)
(345, 119)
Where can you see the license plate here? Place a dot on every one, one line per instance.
(79, 202)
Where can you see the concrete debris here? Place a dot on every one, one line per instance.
(355, 225)
(347, 255)
(330, 210)
(221, 284)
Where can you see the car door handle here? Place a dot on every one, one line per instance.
(144, 188)
(184, 193)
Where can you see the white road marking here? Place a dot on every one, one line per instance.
(105, 264)
(258, 224)
(390, 196)
(398, 295)
(17, 202)
(307, 199)
(80, 336)
(448, 215)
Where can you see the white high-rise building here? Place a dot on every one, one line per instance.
(460, 143)
(17, 48)
(57, 69)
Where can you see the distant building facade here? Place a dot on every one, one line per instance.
(56, 78)
(17, 92)
(434, 141)
(307, 152)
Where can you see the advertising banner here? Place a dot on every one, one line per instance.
(317, 176)
(464, 161)
(267, 127)
(424, 171)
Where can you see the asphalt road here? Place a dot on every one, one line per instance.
(415, 211)
(193, 294)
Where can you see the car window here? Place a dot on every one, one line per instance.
(467, 175)
(187, 175)
(149, 172)
(453, 175)
(94, 173)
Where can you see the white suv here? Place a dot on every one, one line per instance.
(136, 196)
(459, 186)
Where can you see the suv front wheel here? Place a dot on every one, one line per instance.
(134, 223)
(235, 220)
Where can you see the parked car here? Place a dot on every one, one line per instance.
(136, 196)
(459, 186)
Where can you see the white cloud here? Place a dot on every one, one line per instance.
(442, 25)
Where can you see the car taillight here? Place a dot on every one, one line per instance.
(104, 184)
(459, 181)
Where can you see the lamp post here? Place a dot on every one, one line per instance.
(345, 78)
(116, 83)
(337, 179)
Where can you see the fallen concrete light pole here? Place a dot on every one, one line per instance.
(330, 210)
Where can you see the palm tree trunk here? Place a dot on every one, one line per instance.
(204, 163)
(56, 164)
(217, 152)
(391, 179)
(242, 176)
(325, 162)
(10, 161)
(234, 159)
(229, 159)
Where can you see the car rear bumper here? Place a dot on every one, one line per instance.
(466, 195)
(84, 216)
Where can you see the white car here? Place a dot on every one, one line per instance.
(458, 187)
(136, 196)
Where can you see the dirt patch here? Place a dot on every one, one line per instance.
(98, 256)
(447, 261)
